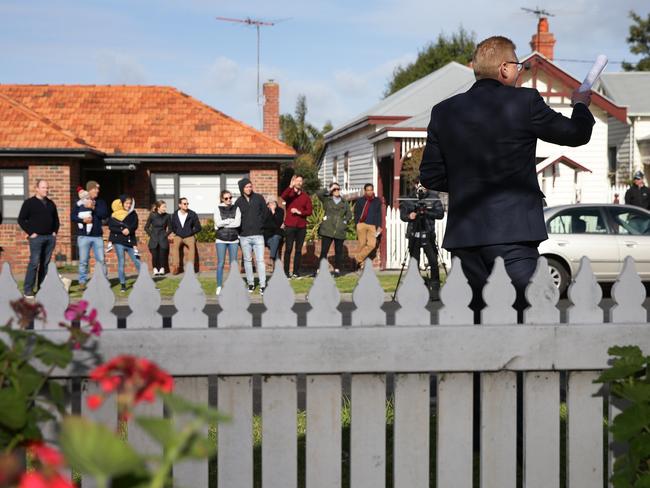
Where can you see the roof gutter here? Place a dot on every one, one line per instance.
(209, 158)
(49, 153)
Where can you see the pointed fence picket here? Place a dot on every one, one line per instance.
(452, 348)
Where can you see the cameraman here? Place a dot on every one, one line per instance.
(421, 210)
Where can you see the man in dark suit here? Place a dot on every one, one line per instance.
(481, 149)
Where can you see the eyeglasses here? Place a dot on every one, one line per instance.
(185, 203)
(336, 189)
(520, 66)
(227, 198)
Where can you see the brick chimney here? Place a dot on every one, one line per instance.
(271, 120)
(543, 41)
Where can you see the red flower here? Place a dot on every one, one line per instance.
(134, 380)
(35, 479)
(95, 401)
(46, 455)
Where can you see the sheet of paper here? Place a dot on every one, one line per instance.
(594, 73)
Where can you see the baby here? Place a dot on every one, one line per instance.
(84, 200)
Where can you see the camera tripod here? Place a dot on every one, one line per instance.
(418, 240)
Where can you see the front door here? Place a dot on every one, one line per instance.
(111, 183)
(386, 174)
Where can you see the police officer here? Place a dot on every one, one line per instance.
(421, 210)
(638, 194)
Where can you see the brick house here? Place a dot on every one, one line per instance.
(154, 142)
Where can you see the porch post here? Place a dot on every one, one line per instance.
(397, 169)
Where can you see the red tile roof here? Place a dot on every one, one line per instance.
(124, 120)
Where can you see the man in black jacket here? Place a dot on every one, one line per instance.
(481, 149)
(421, 210)
(251, 235)
(39, 219)
(638, 194)
(185, 224)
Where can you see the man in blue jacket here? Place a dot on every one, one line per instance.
(367, 215)
(90, 236)
(481, 149)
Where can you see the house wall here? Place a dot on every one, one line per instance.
(619, 137)
(360, 152)
(592, 187)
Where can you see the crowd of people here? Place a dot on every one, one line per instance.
(250, 222)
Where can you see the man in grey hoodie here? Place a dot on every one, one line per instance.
(253, 209)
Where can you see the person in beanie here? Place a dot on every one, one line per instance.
(251, 235)
(123, 234)
(227, 220)
(295, 223)
(39, 219)
(638, 194)
(90, 236)
(335, 224)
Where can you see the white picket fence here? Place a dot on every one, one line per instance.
(416, 346)
(613, 190)
(397, 243)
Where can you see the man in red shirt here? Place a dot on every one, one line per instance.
(298, 209)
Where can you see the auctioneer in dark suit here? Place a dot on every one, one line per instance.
(481, 149)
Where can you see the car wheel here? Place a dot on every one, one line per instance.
(559, 274)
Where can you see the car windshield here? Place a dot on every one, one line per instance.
(578, 220)
(628, 221)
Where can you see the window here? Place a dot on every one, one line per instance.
(13, 190)
(202, 191)
(611, 158)
(346, 172)
(335, 168)
(578, 221)
(630, 222)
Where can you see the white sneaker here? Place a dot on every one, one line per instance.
(218, 290)
(156, 272)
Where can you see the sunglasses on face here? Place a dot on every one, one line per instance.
(227, 198)
(336, 189)
(184, 203)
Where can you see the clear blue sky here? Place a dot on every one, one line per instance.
(338, 53)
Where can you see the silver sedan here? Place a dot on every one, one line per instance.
(605, 233)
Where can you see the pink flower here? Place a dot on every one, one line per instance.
(76, 311)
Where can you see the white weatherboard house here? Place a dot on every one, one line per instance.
(373, 146)
(629, 143)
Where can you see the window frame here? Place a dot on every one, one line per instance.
(335, 169)
(21, 198)
(603, 214)
(611, 214)
(346, 171)
(177, 176)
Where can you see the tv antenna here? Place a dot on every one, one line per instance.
(540, 14)
(257, 24)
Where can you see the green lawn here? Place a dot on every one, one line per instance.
(169, 284)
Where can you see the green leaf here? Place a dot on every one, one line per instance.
(159, 429)
(200, 448)
(13, 405)
(49, 353)
(93, 449)
(634, 392)
(57, 395)
(631, 421)
(28, 379)
(180, 405)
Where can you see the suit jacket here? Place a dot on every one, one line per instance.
(481, 149)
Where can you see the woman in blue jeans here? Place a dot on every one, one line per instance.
(227, 220)
(123, 227)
